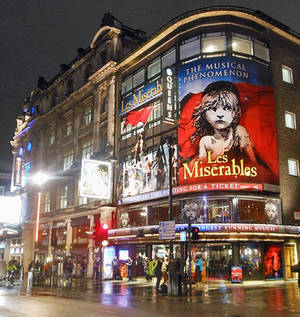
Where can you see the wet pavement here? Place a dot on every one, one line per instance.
(138, 298)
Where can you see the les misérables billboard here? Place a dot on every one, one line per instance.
(227, 127)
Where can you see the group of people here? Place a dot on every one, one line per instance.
(116, 268)
(157, 268)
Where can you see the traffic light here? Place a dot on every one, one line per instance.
(195, 233)
(100, 234)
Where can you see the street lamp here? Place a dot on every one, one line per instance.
(39, 179)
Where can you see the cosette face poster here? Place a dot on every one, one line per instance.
(227, 126)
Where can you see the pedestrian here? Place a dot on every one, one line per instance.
(115, 268)
(158, 274)
(96, 266)
(164, 270)
(68, 271)
(129, 268)
(83, 268)
(146, 269)
(199, 269)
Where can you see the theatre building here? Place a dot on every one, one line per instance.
(213, 97)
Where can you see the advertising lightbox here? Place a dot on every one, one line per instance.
(227, 127)
(95, 179)
(10, 209)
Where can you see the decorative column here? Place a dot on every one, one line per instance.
(50, 255)
(111, 114)
(69, 237)
(91, 249)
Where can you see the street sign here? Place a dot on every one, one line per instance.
(182, 235)
(167, 230)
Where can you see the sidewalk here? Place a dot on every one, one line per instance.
(90, 288)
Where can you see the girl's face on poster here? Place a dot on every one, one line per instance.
(221, 112)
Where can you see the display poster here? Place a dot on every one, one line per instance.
(108, 255)
(95, 179)
(273, 261)
(227, 126)
(236, 274)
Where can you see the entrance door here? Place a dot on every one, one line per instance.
(290, 260)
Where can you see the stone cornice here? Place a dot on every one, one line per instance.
(105, 71)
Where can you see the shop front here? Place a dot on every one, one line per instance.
(262, 251)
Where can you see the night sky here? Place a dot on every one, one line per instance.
(39, 35)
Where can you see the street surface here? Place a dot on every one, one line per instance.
(122, 298)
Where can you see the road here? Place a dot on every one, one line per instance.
(138, 299)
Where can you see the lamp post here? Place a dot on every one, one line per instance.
(39, 179)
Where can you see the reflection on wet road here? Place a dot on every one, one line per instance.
(121, 298)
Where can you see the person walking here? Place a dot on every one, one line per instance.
(129, 268)
(68, 271)
(146, 269)
(158, 274)
(164, 270)
(115, 268)
(199, 269)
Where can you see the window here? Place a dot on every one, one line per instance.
(87, 150)
(47, 202)
(63, 202)
(104, 106)
(190, 48)
(169, 58)
(126, 85)
(241, 44)
(213, 42)
(261, 51)
(293, 166)
(88, 116)
(155, 116)
(21, 151)
(52, 137)
(154, 68)
(27, 167)
(287, 74)
(290, 120)
(138, 78)
(125, 130)
(83, 200)
(28, 146)
(68, 160)
(69, 128)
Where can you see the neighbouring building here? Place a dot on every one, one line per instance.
(67, 121)
(212, 98)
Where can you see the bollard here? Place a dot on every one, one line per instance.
(29, 281)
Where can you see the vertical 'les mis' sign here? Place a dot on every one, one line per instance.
(168, 96)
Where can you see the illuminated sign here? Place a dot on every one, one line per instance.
(11, 208)
(227, 126)
(177, 190)
(141, 96)
(168, 97)
(95, 179)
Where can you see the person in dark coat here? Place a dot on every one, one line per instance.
(158, 274)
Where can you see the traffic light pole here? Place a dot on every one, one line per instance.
(169, 142)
